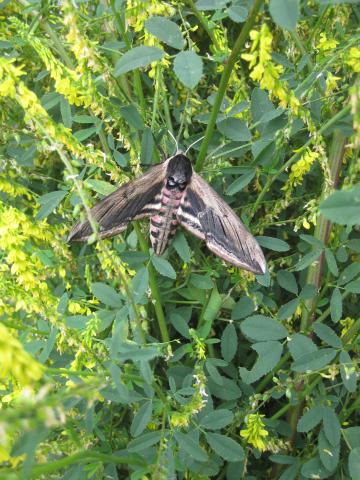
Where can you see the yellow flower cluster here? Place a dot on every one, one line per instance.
(353, 59)
(15, 362)
(326, 44)
(80, 45)
(255, 432)
(300, 169)
(182, 417)
(266, 72)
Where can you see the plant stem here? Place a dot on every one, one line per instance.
(136, 73)
(204, 23)
(234, 56)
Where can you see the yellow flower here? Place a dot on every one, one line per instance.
(15, 362)
(255, 433)
(353, 59)
(299, 169)
(326, 44)
(331, 83)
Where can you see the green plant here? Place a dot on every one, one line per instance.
(115, 363)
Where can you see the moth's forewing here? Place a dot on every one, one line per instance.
(137, 199)
(205, 214)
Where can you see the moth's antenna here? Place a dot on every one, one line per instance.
(194, 143)
(176, 143)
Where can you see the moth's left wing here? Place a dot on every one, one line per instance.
(135, 200)
(205, 214)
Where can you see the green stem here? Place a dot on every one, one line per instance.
(83, 457)
(204, 23)
(344, 111)
(234, 57)
(136, 73)
(160, 316)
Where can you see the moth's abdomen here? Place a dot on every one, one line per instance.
(163, 225)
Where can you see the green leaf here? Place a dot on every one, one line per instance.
(132, 117)
(307, 260)
(332, 427)
(261, 328)
(353, 287)
(237, 13)
(273, 244)
(217, 419)
(310, 419)
(336, 305)
(214, 373)
(235, 129)
(348, 371)
(314, 361)
(49, 202)
(107, 295)
(343, 207)
(328, 335)
(349, 273)
(166, 31)
(229, 343)
(141, 419)
(163, 267)
(352, 436)
(287, 281)
(99, 186)
(65, 111)
(211, 4)
(241, 182)
(147, 146)
(227, 391)
(288, 309)
(314, 469)
(85, 133)
(203, 282)
(145, 441)
(308, 291)
(285, 13)
(269, 354)
(225, 447)
(243, 308)
(188, 68)
(331, 262)
(354, 463)
(179, 323)
(211, 311)
(300, 344)
(182, 247)
(190, 446)
(329, 454)
(140, 283)
(136, 58)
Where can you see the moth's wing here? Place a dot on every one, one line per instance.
(205, 214)
(137, 199)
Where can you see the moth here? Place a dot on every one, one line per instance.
(172, 194)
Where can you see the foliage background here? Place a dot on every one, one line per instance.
(118, 364)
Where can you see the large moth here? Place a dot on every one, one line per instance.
(171, 193)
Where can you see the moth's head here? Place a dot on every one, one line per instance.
(178, 172)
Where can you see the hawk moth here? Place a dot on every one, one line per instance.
(172, 194)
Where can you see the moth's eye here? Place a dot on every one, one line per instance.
(171, 182)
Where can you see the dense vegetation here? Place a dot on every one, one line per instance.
(115, 363)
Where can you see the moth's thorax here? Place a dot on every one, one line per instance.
(163, 225)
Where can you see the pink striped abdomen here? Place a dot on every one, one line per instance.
(163, 225)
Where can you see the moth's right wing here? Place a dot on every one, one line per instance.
(205, 214)
(135, 200)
